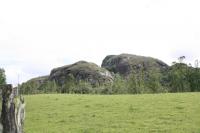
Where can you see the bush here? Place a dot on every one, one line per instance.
(83, 87)
(119, 85)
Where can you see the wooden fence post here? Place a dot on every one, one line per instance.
(13, 111)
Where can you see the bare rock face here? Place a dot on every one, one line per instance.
(82, 70)
(124, 64)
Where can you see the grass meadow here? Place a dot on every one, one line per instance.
(147, 113)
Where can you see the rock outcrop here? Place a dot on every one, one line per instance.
(143, 69)
(124, 64)
(81, 70)
(39, 80)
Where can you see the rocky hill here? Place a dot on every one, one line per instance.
(32, 86)
(124, 64)
(67, 78)
(39, 80)
(81, 70)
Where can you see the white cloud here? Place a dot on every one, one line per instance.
(36, 36)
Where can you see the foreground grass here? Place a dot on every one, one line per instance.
(165, 113)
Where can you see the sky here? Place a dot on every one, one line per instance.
(39, 35)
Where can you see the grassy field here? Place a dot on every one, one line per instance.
(153, 113)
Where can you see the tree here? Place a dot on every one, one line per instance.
(133, 86)
(83, 87)
(119, 85)
(69, 85)
(181, 58)
(48, 87)
(196, 63)
(29, 88)
(194, 77)
(2, 76)
(179, 77)
(153, 83)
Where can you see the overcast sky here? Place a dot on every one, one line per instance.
(38, 35)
